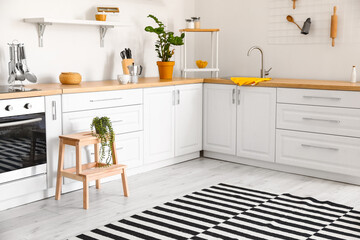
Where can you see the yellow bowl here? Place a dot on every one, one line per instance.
(201, 64)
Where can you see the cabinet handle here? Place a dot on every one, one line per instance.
(319, 147)
(53, 106)
(321, 120)
(239, 100)
(173, 97)
(120, 148)
(329, 98)
(118, 121)
(233, 96)
(178, 101)
(108, 99)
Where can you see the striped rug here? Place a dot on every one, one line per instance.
(231, 212)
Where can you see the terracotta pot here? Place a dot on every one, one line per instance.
(166, 70)
(70, 78)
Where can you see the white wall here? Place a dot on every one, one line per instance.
(244, 23)
(77, 48)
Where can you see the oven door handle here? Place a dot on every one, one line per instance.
(17, 123)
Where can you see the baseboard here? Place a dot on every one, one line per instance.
(284, 168)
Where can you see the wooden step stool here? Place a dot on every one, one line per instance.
(87, 172)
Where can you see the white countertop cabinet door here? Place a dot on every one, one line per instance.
(220, 118)
(256, 120)
(188, 119)
(159, 124)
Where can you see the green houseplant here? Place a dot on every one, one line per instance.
(102, 128)
(166, 40)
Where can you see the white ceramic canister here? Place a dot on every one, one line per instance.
(190, 24)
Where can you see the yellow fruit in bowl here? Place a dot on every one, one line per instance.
(201, 64)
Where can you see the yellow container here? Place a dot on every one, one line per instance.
(100, 17)
(70, 78)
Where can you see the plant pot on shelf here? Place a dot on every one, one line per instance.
(166, 70)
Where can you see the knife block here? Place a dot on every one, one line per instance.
(125, 64)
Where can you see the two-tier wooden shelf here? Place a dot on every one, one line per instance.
(214, 68)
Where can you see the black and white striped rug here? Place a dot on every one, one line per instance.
(230, 212)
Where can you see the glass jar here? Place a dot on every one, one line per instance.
(196, 21)
(190, 24)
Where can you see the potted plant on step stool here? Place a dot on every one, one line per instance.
(163, 47)
(104, 131)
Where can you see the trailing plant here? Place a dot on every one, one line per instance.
(102, 129)
(166, 40)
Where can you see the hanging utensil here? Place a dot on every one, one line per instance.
(334, 25)
(294, 4)
(306, 28)
(28, 75)
(19, 74)
(291, 19)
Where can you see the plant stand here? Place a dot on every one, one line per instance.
(214, 69)
(87, 172)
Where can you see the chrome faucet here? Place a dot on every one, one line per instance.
(263, 72)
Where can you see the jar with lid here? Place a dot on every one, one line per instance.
(190, 24)
(196, 22)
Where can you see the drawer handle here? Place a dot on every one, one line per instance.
(118, 121)
(319, 147)
(321, 120)
(108, 99)
(329, 98)
(120, 148)
(233, 95)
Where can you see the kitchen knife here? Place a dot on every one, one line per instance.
(122, 54)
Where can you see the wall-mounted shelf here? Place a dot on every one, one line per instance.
(43, 22)
(214, 69)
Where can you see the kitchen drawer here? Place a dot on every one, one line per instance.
(336, 121)
(319, 97)
(23, 186)
(129, 148)
(124, 119)
(318, 151)
(100, 100)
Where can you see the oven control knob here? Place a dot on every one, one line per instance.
(28, 106)
(9, 108)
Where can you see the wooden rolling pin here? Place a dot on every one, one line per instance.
(334, 24)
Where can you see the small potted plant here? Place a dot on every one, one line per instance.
(163, 47)
(102, 128)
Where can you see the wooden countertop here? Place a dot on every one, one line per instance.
(114, 84)
(109, 85)
(298, 83)
(96, 86)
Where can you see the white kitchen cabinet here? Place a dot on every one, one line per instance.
(159, 124)
(172, 122)
(53, 131)
(188, 119)
(220, 118)
(256, 119)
